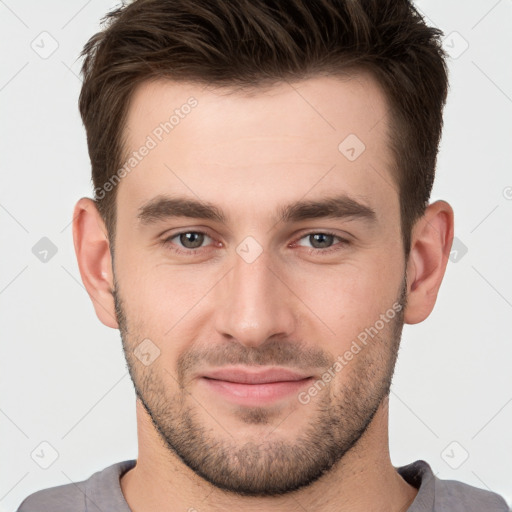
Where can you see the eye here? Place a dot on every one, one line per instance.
(188, 240)
(192, 239)
(322, 242)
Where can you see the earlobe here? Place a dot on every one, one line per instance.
(94, 260)
(431, 241)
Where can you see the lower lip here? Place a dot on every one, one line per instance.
(256, 394)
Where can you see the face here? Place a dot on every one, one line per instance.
(259, 274)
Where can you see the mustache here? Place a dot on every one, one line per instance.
(270, 353)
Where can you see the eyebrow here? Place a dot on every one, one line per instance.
(165, 207)
(338, 207)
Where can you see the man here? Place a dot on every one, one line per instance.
(259, 235)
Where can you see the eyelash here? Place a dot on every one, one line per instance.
(310, 251)
(342, 242)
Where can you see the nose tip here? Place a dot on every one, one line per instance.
(251, 332)
(255, 304)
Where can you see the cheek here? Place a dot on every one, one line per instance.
(161, 301)
(349, 298)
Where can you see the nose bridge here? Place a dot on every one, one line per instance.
(253, 304)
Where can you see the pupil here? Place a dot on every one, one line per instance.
(320, 240)
(192, 240)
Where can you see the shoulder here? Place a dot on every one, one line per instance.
(456, 496)
(439, 495)
(78, 496)
(63, 498)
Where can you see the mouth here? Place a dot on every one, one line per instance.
(255, 387)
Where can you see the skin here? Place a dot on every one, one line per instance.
(250, 153)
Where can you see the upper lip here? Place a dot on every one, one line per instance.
(255, 376)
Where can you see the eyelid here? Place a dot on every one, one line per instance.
(342, 241)
(326, 231)
(167, 242)
(169, 235)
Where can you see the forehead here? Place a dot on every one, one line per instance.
(246, 147)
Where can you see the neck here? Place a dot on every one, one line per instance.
(363, 480)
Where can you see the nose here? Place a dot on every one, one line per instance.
(254, 303)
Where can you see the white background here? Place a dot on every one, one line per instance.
(63, 375)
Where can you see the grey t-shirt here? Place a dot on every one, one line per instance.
(102, 493)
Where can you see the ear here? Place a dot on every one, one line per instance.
(94, 261)
(431, 241)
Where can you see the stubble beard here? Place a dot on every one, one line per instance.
(267, 465)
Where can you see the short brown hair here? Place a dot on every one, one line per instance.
(246, 43)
